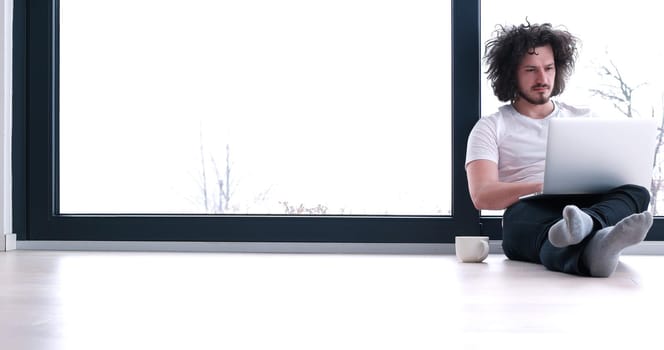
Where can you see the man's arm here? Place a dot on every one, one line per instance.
(487, 192)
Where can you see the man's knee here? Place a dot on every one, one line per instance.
(639, 194)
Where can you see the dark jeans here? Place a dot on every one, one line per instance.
(526, 225)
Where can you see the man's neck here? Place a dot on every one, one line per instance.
(533, 111)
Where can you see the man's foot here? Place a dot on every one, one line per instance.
(603, 250)
(572, 228)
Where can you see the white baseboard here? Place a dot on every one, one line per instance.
(8, 242)
(644, 248)
(243, 247)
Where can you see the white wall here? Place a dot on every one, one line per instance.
(7, 239)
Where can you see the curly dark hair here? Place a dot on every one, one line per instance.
(504, 53)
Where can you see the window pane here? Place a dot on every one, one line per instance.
(256, 107)
(616, 41)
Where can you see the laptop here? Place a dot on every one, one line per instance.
(594, 155)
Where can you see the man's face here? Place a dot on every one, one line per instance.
(536, 75)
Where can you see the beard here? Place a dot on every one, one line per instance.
(536, 98)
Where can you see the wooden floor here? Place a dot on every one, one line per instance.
(125, 300)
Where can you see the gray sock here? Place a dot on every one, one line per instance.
(603, 250)
(572, 228)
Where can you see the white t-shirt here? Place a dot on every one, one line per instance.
(515, 142)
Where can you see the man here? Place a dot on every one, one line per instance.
(582, 234)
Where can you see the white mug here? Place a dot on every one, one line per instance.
(471, 248)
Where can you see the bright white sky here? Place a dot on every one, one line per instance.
(341, 103)
(628, 31)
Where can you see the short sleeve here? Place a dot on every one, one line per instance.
(483, 141)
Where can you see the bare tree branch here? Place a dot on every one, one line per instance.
(620, 94)
(204, 184)
(619, 91)
(223, 183)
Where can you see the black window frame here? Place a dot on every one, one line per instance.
(35, 161)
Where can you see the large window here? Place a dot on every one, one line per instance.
(218, 121)
(255, 107)
(212, 123)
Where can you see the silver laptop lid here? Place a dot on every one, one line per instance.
(593, 155)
